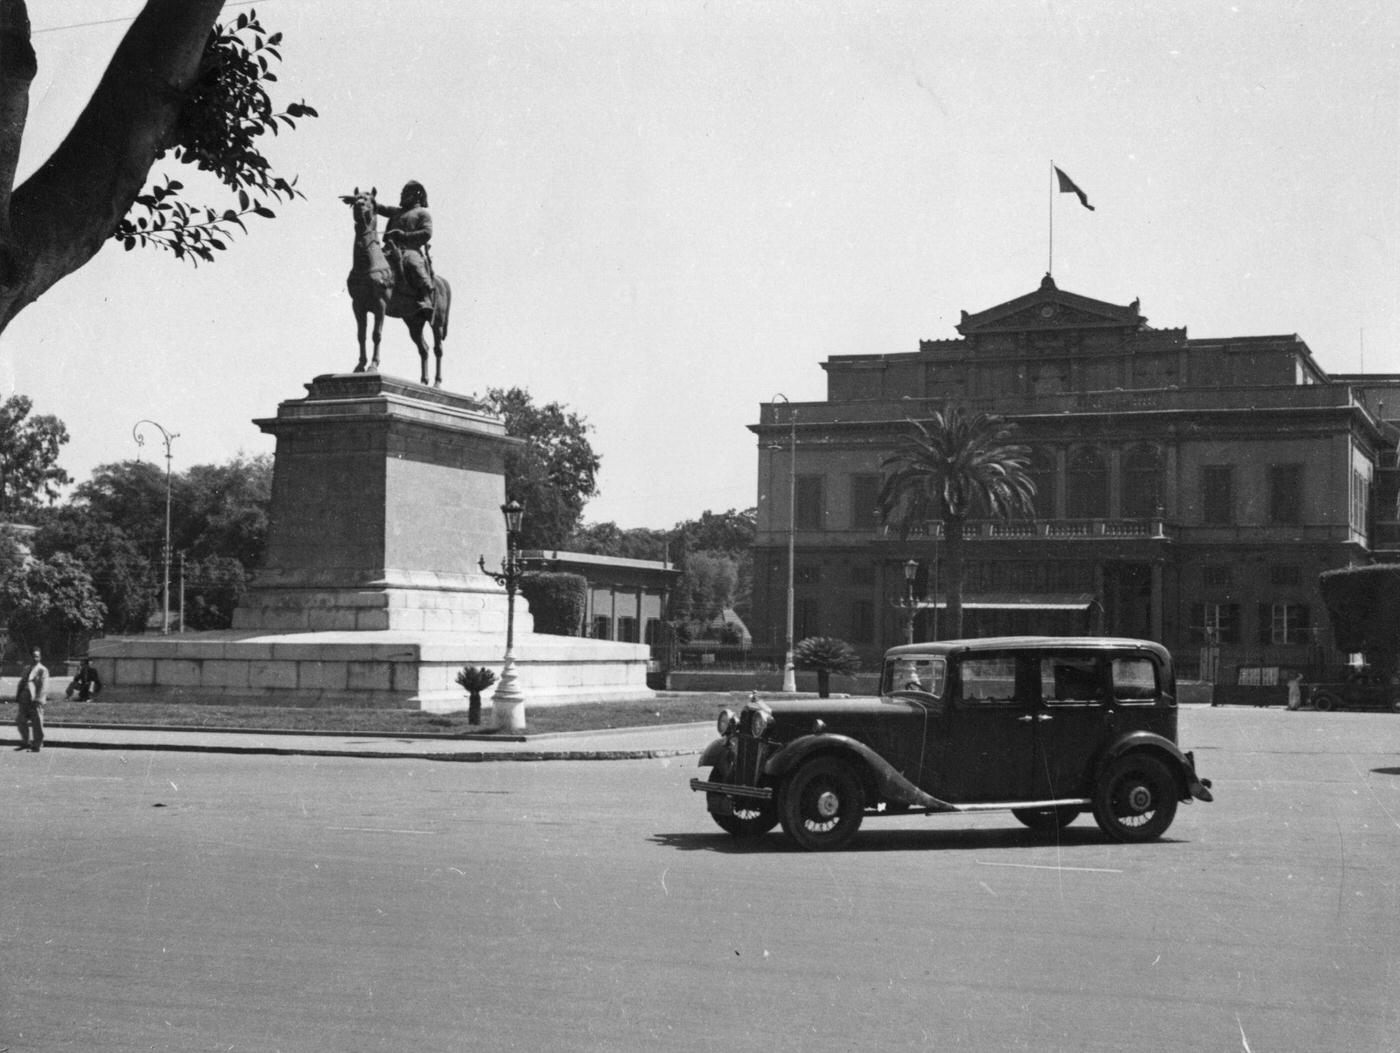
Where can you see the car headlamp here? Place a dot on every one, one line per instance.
(726, 721)
(759, 721)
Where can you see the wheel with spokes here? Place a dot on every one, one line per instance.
(822, 804)
(1136, 798)
(749, 818)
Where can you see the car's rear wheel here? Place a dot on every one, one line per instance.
(1046, 820)
(749, 818)
(822, 804)
(1136, 798)
(1325, 702)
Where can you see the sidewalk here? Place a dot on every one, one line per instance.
(670, 740)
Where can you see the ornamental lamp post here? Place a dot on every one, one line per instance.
(789, 666)
(911, 571)
(167, 437)
(508, 701)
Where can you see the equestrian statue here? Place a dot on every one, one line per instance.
(396, 278)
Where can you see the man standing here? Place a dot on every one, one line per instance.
(409, 230)
(31, 696)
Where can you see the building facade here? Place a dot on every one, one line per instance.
(1188, 491)
(627, 598)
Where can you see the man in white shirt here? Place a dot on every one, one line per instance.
(30, 696)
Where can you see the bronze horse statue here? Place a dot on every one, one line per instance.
(375, 284)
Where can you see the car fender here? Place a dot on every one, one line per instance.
(1190, 784)
(887, 780)
(714, 753)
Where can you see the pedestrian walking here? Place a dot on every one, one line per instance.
(30, 696)
(1295, 690)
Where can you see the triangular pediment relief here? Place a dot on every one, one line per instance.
(1051, 308)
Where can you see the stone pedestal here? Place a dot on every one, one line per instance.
(385, 493)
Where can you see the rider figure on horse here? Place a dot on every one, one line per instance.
(408, 231)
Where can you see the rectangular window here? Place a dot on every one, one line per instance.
(1217, 623)
(806, 619)
(1067, 680)
(864, 491)
(811, 502)
(602, 627)
(862, 621)
(991, 679)
(1285, 493)
(1134, 680)
(1284, 623)
(1218, 494)
(627, 629)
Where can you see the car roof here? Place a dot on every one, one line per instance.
(1028, 643)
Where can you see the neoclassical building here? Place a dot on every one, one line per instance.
(1189, 491)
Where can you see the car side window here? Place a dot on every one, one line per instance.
(1069, 680)
(1135, 680)
(988, 680)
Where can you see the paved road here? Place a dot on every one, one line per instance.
(175, 901)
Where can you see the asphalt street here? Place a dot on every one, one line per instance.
(177, 900)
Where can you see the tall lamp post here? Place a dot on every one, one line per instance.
(167, 437)
(789, 666)
(508, 701)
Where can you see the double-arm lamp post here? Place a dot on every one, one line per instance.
(508, 702)
(167, 437)
(911, 607)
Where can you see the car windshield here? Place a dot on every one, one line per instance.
(914, 673)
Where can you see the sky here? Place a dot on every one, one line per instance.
(663, 214)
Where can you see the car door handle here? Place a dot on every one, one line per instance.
(1044, 716)
(1024, 720)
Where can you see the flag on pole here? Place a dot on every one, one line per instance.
(1068, 186)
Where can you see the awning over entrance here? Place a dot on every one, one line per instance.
(1076, 601)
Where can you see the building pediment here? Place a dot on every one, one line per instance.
(1050, 307)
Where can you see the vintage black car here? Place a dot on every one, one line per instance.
(1044, 727)
(1360, 688)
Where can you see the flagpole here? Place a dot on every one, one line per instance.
(1050, 263)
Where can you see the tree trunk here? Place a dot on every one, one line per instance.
(63, 214)
(474, 708)
(823, 683)
(953, 546)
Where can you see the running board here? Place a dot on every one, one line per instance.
(1035, 806)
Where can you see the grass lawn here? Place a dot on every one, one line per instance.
(540, 720)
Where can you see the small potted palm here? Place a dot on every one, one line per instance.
(474, 681)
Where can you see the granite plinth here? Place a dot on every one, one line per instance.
(384, 495)
(368, 669)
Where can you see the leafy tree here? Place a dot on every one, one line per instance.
(730, 531)
(708, 584)
(224, 509)
(949, 468)
(130, 496)
(214, 586)
(175, 85)
(120, 573)
(608, 539)
(554, 474)
(51, 604)
(28, 456)
(826, 655)
(1363, 605)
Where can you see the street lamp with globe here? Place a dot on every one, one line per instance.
(508, 701)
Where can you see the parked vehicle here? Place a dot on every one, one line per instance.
(1044, 727)
(1361, 688)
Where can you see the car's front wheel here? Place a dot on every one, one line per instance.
(1046, 820)
(822, 804)
(1325, 702)
(749, 818)
(1136, 798)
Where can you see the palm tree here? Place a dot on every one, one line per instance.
(952, 465)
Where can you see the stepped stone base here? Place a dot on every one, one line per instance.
(387, 669)
(384, 495)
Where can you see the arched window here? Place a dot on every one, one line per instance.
(1086, 492)
(1142, 483)
(1045, 474)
